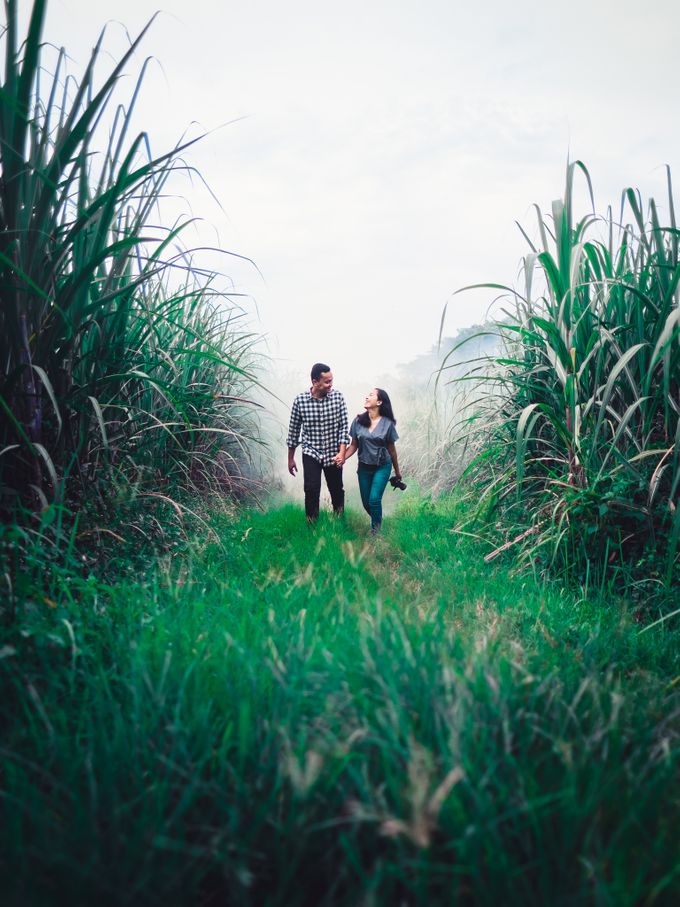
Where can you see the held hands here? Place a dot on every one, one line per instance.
(344, 454)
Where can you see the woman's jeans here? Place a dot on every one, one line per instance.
(372, 482)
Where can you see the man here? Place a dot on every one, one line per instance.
(318, 420)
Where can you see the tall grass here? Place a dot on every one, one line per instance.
(123, 363)
(431, 453)
(108, 357)
(582, 414)
(296, 717)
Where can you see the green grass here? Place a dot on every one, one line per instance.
(284, 716)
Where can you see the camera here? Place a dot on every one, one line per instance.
(397, 483)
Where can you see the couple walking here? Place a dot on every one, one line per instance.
(318, 421)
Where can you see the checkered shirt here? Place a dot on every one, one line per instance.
(321, 425)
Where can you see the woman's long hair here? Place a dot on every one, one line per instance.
(384, 409)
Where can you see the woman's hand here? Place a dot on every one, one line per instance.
(339, 460)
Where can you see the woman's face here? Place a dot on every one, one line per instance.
(372, 399)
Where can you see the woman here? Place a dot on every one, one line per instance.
(373, 435)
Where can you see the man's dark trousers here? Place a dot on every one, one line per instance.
(311, 470)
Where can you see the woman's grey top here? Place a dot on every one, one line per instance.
(372, 445)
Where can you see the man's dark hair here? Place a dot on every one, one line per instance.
(317, 370)
(384, 409)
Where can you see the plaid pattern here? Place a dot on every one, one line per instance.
(321, 425)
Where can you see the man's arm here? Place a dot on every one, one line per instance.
(343, 432)
(341, 456)
(292, 465)
(293, 438)
(343, 429)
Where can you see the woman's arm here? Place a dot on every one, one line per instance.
(392, 450)
(352, 449)
(339, 460)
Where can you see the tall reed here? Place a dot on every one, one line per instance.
(118, 354)
(582, 414)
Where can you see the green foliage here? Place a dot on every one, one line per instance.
(290, 716)
(122, 361)
(580, 416)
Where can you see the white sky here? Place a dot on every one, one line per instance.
(388, 147)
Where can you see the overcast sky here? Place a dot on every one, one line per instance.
(386, 149)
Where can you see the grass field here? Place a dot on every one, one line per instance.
(285, 716)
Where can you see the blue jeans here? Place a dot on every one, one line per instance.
(372, 483)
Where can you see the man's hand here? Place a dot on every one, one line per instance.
(341, 456)
(292, 466)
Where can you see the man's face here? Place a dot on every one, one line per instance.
(324, 385)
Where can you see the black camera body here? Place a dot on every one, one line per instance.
(397, 483)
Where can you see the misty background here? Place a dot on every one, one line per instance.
(367, 160)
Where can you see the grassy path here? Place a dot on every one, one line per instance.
(284, 716)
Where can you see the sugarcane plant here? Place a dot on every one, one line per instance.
(581, 411)
(111, 362)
